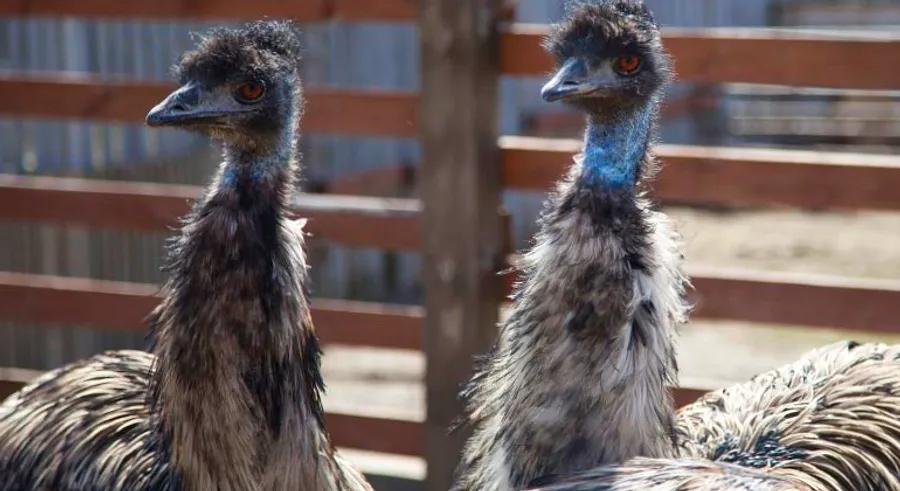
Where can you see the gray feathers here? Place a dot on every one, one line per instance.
(86, 426)
(578, 377)
(828, 422)
(642, 474)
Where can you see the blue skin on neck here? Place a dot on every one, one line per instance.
(229, 176)
(613, 151)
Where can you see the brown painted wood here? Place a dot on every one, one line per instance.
(521, 53)
(766, 56)
(94, 203)
(76, 301)
(460, 185)
(384, 223)
(730, 176)
(388, 180)
(535, 164)
(798, 299)
(391, 436)
(119, 305)
(683, 396)
(761, 177)
(67, 95)
(299, 10)
(381, 10)
(361, 112)
(13, 379)
(369, 324)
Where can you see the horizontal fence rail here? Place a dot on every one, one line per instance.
(70, 95)
(393, 224)
(761, 56)
(693, 175)
(386, 223)
(797, 299)
(810, 300)
(300, 10)
(122, 305)
(729, 176)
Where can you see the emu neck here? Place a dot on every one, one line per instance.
(259, 172)
(579, 377)
(614, 148)
(237, 387)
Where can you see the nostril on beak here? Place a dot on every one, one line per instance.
(176, 108)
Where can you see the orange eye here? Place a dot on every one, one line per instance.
(627, 65)
(250, 92)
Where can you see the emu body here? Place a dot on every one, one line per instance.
(229, 399)
(828, 422)
(577, 380)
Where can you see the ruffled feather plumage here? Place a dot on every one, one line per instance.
(230, 399)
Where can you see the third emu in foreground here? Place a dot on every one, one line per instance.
(578, 378)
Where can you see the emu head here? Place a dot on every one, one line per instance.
(609, 56)
(241, 86)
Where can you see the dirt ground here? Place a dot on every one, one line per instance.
(861, 244)
(388, 383)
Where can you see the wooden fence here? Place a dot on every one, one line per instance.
(466, 47)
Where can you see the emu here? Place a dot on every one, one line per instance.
(230, 398)
(577, 380)
(828, 422)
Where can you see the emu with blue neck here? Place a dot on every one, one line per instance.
(579, 375)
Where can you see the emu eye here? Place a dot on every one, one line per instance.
(628, 64)
(250, 92)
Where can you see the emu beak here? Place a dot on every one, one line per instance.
(574, 80)
(182, 107)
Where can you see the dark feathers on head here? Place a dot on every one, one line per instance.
(259, 49)
(598, 26)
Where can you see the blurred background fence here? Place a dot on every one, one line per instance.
(781, 167)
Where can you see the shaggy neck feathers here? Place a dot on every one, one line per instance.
(579, 375)
(237, 384)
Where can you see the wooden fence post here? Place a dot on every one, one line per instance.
(460, 186)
